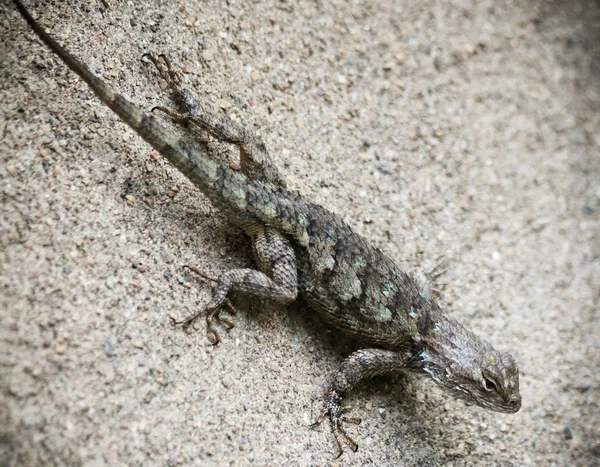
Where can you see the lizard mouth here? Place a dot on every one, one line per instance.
(510, 405)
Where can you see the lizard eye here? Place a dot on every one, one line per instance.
(489, 385)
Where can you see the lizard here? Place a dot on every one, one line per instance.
(302, 249)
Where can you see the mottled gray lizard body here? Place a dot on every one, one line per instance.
(301, 248)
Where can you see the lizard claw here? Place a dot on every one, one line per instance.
(213, 313)
(333, 411)
(164, 68)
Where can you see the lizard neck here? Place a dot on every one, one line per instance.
(449, 345)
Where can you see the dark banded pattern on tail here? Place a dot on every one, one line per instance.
(251, 204)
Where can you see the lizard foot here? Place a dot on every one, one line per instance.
(333, 411)
(174, 79)
(213, 313)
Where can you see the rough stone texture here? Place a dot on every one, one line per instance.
(464, 130)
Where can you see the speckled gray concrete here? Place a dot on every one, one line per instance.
(468, 130)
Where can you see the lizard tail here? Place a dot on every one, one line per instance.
(249, 203)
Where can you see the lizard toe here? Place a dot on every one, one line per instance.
(333, 411)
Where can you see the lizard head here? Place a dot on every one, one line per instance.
(471, 369)
(491, 381)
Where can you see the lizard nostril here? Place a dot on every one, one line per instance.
(514, 401)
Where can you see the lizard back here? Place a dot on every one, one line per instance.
(358, 288)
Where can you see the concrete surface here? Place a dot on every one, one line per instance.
(460, 130)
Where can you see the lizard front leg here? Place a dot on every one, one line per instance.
(255, 161)
(277, 279)
(362, 364)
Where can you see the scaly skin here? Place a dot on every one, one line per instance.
(301, 248)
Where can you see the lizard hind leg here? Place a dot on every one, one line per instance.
(277, 280)
(255, 161)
